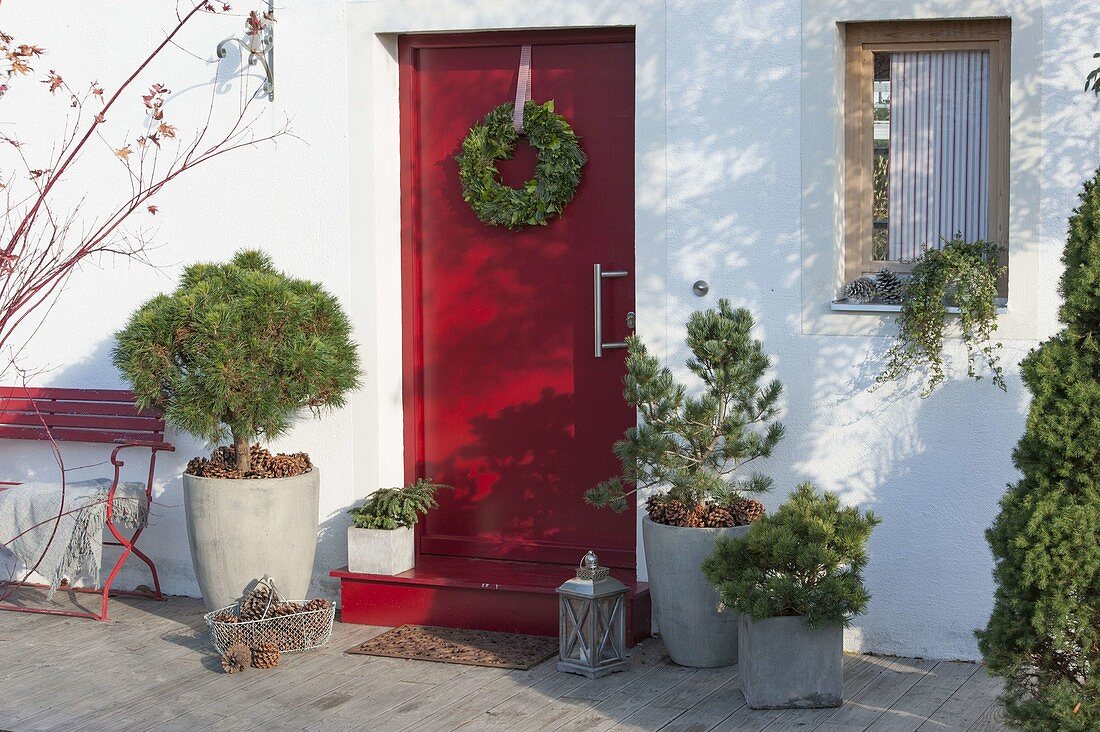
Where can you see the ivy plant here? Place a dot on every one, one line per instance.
(963, 274)
(396, 508)
(806, 560)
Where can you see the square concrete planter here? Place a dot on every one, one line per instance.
(785, 665)
(377, 551)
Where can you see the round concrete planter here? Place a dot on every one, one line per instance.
(241, 530)
(696, 633)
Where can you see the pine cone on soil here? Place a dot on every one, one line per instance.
(237, 658)
(746, 511)
(718, 517)
(665, 510)
(222, 463)
(265, 655)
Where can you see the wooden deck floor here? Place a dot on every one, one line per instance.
(152, 668)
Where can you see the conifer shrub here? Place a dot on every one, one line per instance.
(806, 560)
(1044, 633)
(396, 508)
(690, 446)
(238, 351)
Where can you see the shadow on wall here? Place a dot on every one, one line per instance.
(934, 468)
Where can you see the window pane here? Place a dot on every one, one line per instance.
(880, 201)
(938, 149)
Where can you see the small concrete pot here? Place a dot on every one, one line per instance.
(240, 530)
(695, 631)
(785, 665)
(378, 551)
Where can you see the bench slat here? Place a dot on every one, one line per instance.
(140, 424)
(77, 415)
(80, 395)
(68, 434)
(55, 407)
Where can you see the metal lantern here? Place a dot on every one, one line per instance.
(592, 621)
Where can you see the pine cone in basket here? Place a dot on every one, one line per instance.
(226, 617)
(256, 603)
(746, 511)
(279, 609)
(317, 603)
(237, 658)
(265, 655)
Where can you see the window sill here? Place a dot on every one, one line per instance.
(843, 306)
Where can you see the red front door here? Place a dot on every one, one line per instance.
(505, 398)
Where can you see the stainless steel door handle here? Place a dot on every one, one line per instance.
(598, 276)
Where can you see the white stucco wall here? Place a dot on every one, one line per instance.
(721, 147)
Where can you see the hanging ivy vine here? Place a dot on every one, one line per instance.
(963, 274)
(557, 167)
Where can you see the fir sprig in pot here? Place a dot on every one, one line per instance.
(381, 539)
(238, 351)
(687, 452)
(796, 578)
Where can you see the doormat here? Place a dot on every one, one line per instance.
(456, 645)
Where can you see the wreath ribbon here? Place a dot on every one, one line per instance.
(523, 88)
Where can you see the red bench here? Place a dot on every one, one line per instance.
(94, 416)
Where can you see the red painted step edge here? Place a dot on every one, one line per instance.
(511, 597)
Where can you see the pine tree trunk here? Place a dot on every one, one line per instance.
(244, 454)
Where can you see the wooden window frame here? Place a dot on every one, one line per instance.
(861, 41)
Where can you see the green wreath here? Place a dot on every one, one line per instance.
(557, 168)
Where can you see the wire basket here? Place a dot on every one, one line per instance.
(291, 631)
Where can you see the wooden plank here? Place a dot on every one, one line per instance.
(152, 668)
(992, 720)
(68, 434)
(525, 705)
(85, 421)
(84, 395)
(542, 678)
(748, 720)
(329, 710)
(651, 717)
(861, 709)
(858, 672)
(639, 692)
(964, 708)
(711, 710)
(33, 406)
(691, 691)
(926, 696)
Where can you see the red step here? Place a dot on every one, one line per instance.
(481, 594)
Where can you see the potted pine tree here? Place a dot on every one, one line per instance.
(685, 451)
(1043, 636)
(381, 539)
(238, 351)
(796, 578)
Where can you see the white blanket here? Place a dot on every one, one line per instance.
(29, 512)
